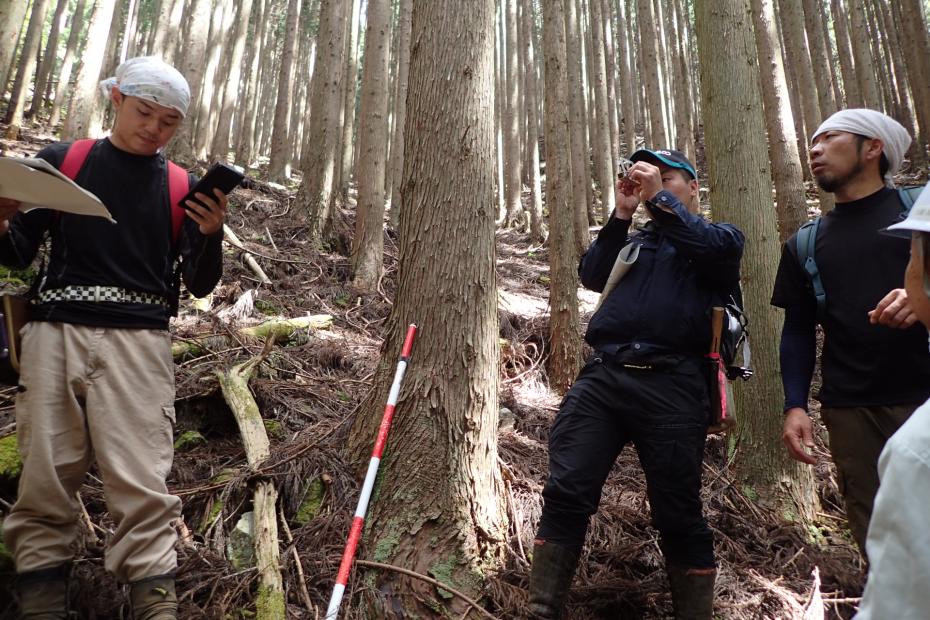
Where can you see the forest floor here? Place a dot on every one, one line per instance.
(308, 391)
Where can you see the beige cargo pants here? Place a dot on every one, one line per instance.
(104, 395)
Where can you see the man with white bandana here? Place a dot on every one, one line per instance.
(97, 377)
(875, 364)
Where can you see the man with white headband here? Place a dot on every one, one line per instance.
(841, 272)
(97, 378)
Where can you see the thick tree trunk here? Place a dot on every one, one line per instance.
(316, 192)
(735, 148)
(26, 70)
(565, 345)
(528, 20)
(844, 53)
(791, 204)
(650, 64)
(12, 16)
(192, 68)
(400, 110)
(279, 166)
(220, 148)
(601, 143)
(49, 58)
(368, 243)
(220, 23)
(67, 63)
(246, 116)
(865, 68)
(86, 95)
(167, 28)
(442, 516)
(579, 179)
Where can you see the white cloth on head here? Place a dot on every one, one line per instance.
(152, 79)
(872, 124)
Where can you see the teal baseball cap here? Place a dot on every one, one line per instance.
(674, 159)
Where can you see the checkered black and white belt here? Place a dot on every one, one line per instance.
(98, 294)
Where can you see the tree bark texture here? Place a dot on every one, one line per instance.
(532, 122)
(565, 344)
(48, 58)
(438, 508)
(345, 148)
(165, 39)
(81, 109)
(845, 55)
(249, 108)
(628, 85)
(790, 201)
(916, 50)
(865, 68)
(400, 109)
(192, 68)
(220, 147)
(683, 123)
(820, 59)
(738, 174)
(513, 184)
(368, 243)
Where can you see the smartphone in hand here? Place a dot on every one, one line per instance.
(219, 176)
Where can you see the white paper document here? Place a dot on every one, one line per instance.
(37, 184)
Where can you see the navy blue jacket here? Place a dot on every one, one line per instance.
(662, 305)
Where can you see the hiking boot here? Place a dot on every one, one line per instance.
(550, 578)
(154, 599)
(692, 592)
(43, 594)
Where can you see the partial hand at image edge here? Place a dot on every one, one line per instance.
(38, 185)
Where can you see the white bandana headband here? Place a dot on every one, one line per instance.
(872, 124)
(150, 78)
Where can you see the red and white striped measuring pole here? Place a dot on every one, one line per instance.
(356, 532)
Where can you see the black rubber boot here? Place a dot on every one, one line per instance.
(154, 599)
(43, 594)
(692, 592)
(550, 578)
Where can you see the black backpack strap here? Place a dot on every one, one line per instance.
(807, 240)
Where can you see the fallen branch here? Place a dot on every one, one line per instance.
(280, 328)
(234, 384)
(397, 569)
(249, 260)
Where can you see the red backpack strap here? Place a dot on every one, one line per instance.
(178, 186)
(76, 156)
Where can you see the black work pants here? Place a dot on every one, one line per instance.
(665, 413)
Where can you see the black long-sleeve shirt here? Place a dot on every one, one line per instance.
(136, 254)
(662, 305)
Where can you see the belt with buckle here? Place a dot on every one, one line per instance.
(100, 293)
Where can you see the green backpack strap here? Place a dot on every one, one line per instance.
(807, 240)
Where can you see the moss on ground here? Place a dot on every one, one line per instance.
(10, 462)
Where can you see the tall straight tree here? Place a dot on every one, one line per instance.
(368, 243)
(865, 69)
(315, 196)
(513, 183)
(345, 148)
(737, 161)
(220, 148)
(12, 16)
(650, 64)
(565, 345)
(26, 70)
(49, 58)
(528, 21)
(579, 179)
(398, 142)
(443, 516)
(166, 30)
(279, 165)
(845, 55)
(913, 31)
(682, 77)
(192, 68)
(820, 58)
(81, 110)
(627, 80)
(601, 142)
(783, 144)
(67, 63)
(249, 108)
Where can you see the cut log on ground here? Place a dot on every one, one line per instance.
(280, 328)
